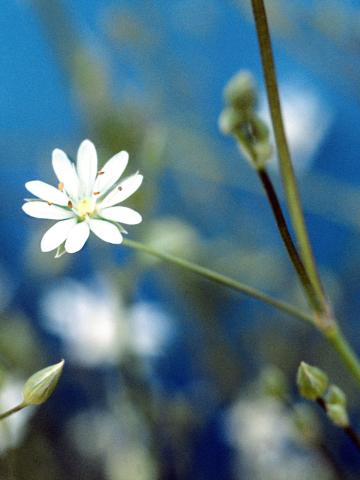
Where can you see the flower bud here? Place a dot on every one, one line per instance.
(338, 415)
(312, 382)
(41, 385)
(335, 396)
(240, 92)
(335, 401)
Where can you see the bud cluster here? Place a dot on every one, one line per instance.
(314, 385)
(240, 119)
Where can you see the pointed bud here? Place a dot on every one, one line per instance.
(41, 385)
(312, 382)
(240, 92)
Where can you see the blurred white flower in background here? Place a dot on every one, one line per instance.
(269, 446)
(151, 328)
(13, 428)
(307, 120)
(97, 329)
(85, 200)
(117, 442)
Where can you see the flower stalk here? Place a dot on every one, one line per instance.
(221, 279)
(286, 168)
(13, 410)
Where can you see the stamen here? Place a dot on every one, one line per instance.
(101, 172)
(70, 204)
(61, 186)
(50, 203)
(96, 193)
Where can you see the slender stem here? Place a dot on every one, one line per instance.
(336, 338)
(221, 279)
(288, 242)
(12, 410)
(286, 168)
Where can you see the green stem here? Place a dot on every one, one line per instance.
(336, 338)
(288, 242)
(286, 168)
(221, 279)
(12, 410)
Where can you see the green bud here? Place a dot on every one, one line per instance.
(312, 382)
(338, 415)
(335, 401)
(230, 120)
(240, 91)
(41, 385)
(335, 396)
(273, 382)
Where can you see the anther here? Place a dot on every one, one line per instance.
(61, 186)
(101, 172)
(96, 193)
(50, 203)
(70, 205)
(120, 188)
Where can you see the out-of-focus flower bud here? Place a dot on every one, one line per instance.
(41, 385)
(273, 382)
(307, 422)
(335, 401)
(335, 396)
(312, 382)
(240, 92)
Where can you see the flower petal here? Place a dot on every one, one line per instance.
(126, 188)
(86, 166)
(47, 192)
(122, 215)
(111, 172)
(106, 231)
(77, 237)
(65, 172)
(56, 235)
(39, 209)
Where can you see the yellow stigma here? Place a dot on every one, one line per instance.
(86, 207)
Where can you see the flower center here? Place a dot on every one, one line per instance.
(86, 207)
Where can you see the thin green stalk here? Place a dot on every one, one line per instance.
(286, 168)
(12, 410)
(288, 242)
(221, 279)
(336, 338)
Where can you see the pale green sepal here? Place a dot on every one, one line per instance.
(312, 382)
(60, 251)
(41, 385)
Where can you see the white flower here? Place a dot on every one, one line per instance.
(86, 199)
